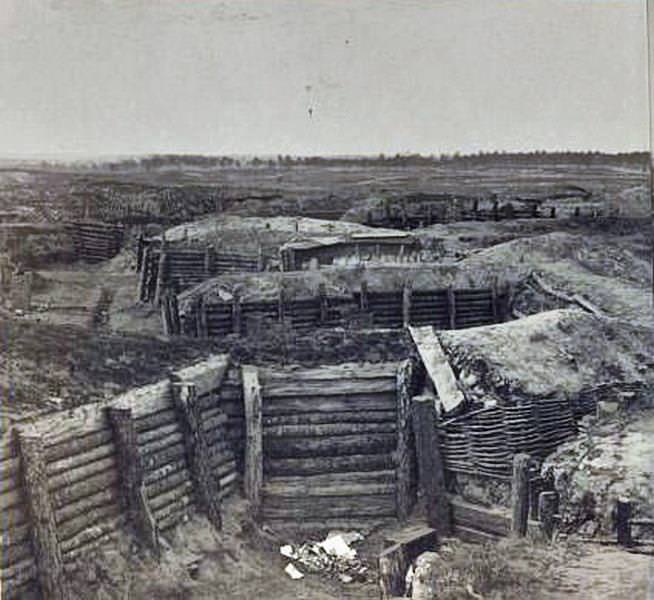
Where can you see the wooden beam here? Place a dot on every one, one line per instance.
(254, 439)
(236, 315)
(143, 273)
(133, 494)
(45, 545)
(430, 465)
(404, 449)
(438, 367)
(623, 521)
(547, 508)
(161, 273)
(406, 305)
(393, 564)
(451, 307)
(205, 481)
(322, 295)
(520, 495)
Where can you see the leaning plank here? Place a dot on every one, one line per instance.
(47, 553)
(438, 367)
(254, 447)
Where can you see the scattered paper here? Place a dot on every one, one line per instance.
(292, 571)
(337, 546)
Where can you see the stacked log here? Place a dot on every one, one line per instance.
(429, 308)
(231, 403)
(474, 307)
(219, 319)
(95, 241)
(329, 436)
(303, 313)
(386, 309)
(17, 565)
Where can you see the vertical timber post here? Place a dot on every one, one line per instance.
(623, 521)
(430, 465)
(547, 508)
(143, 273)
(406, 305)
(322, 298)
(403, 453)
(253, 439)
(236, 315)
(45, 545)
(520, 495)
(161, 271)
(206, 482)
(451, 307)
(131, 477)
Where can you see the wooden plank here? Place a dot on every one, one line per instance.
(330, 404)
(520, 495)
(489, 520)
(328, 464)
(438, 367)
(308, 507)
(430, 465)
(78, 444)
(75, 461)
(131, 471)
(88, 518)
(74, 476)
(70, 494)
(300, 447)
(392, 565)
(335, 490)
(254, 438)
(328, 429)
(382, 418)
(330, 372)
(404, 453)
(47, 553)
(333, 387)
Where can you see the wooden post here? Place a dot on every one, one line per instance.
(406, 305)
(145, 265)
(203, 321)
(208, 261)
(322, 298)
(280, 302)
(393, 565)
(623, 521)
(547, 508)
(45, 546)
(496, 312)
(174, 315)
(363, 300)
(206, 482)
(161, 272)
(131, 476)
(451, 307)
(165, 314)
(430, 465)
(253, 439)
(260, 258)
(520, 495)
(404, 457)
(140, 247)
(236, 315)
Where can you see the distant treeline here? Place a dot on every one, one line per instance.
(536, 158)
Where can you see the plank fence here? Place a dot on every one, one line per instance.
(71, 481)
(442, 308)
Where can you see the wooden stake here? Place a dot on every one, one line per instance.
(547, 508)
(406, 305)
(623, 521)
(520, 495)
(254, 439)
(393, 565)
(451, 307)
(47, 553)
(404, 451)
(430, 465)
(161, 273)
(236, 315)
(131, 477)
(205, 480)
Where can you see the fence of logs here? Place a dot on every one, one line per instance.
(330, 446)
(72, 480)
(443, 308)
(178, 267)
(95, 241)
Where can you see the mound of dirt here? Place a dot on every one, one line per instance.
(555, 352)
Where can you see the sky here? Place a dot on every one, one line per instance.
(321, 77)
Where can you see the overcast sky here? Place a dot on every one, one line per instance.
(103, 77)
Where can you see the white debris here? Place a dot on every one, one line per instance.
(336, 546)
(287, 551)
(293, 572)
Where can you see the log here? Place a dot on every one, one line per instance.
(78, 444)
(157, 460)
(405, 457)
(131, 470)
(329, 404)
(406, 305)
(254, 439)
(92, 516)
(289, 507)
(334, 387)
(155, 420)
(159, 444)
(45, 545)
(172, 495)
(198, 452)
(75, 547)
(17, 576)
(75, 461)
(152, 477)
(15, 553)
(301, 447)
(330, 372)
(430, 465)
(520, 495)
(547, 507)
(68, 495)
(328, 464)
(385, 418)
(328, 429)
(164, 484)
(73, 477)
(623, 521)
(393, 565)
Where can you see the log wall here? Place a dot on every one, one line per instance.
(84, 483)
(330, 446)
(462, 308)
(95, 241)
